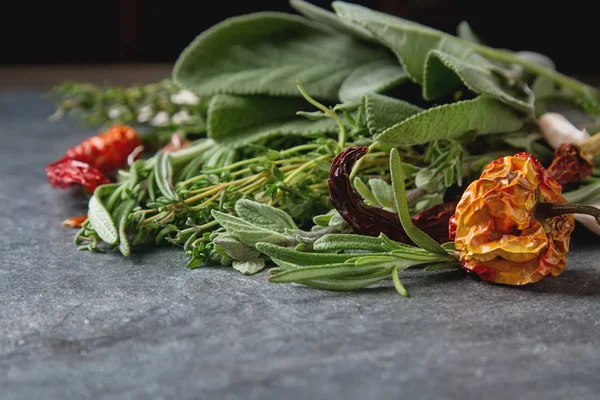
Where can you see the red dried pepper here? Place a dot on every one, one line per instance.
(88, 163)
(512, 225)
(371, 221)
(573, 162)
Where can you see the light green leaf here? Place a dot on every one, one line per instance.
(264, 215)
(420, 238)
(163, 173)
(265, 52)
(102, 221)
(444, 73)
(450, 121)
(383, 112)
(374, 77)
(234, 248)
(346, 283)
(249, 267)
(365, 192)
(465, 32)
(454, 61)
(312, 272)
(245, 231)
(331, 19)
(236, 121)
(383, 192)
(340, 241)
(303, 258)
(398, 284)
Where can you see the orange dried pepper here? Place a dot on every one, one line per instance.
(512, 225)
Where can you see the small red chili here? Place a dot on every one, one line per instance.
(574, 161)
(88, 163)
(371, 221)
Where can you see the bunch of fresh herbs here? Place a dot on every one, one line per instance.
(269, 99)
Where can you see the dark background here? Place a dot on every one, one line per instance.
(135, 31)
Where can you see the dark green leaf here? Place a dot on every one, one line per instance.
(163, 173)
(384, 112)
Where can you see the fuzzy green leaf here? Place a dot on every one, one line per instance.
(331, 19)
(465, 32)
(482, 115)
(374, 77)
(234, 248)
(236, 121)
(264, 215)
(249, 267)
(312, 272)
(100, 218)
(302, 258)
(383, 112)
(365, 192)
(265, 52)
(453, 61)
(339, 241)
(383, 192)
(245, 231)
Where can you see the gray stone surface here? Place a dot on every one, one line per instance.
(79, 325)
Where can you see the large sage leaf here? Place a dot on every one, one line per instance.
(375, 77)
(416, 46)
(266, 52)
(482, 115)
(264, 215)
(238, 120)
(246, 232)
(331, 19)
(383, 112)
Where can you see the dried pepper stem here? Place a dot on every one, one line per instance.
(549, 210)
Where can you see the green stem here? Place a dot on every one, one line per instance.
(360, 161)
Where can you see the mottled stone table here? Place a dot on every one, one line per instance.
(78, 325)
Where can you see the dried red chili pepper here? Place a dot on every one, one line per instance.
(88, 163)
(371, 221)
(107, 151)
(74, 222)
(573, 162)
(512, 225)
(66, 172)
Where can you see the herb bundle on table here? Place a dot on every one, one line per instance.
(337, 149)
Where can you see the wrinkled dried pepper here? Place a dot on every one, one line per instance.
(88, 163)
(512, 225)
(371, 221)
(572, 162)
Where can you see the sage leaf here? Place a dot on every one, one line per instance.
(236, 121)
(303, 258)
(265, 52)
(245, 231)
(420, 238)
(345, 283)
(483, 115)
(374, 77)
(465, 32)
(383, 192)
(383, 112)
(264, 215)
(234, 248)
(249, 267)
(340, 241)
(163, 174)
(365, 192)
(311, 272)
(101, 220)
(331, 19)
(454, 61)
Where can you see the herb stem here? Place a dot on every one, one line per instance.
(360, 161)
